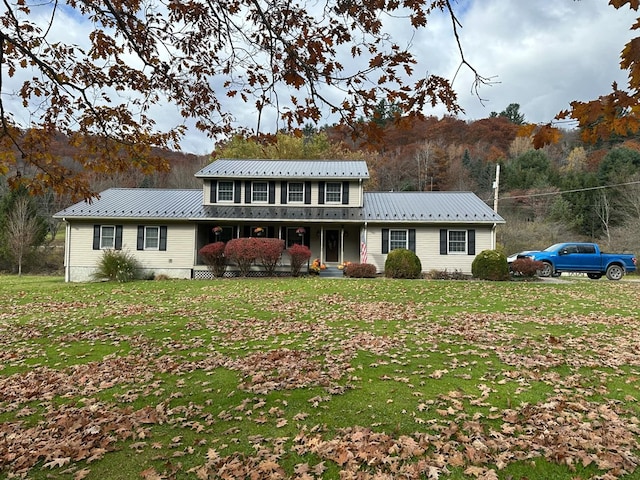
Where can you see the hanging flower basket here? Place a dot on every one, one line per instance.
(217, 230)
(301, 231)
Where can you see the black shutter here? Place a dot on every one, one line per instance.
(272, 192)
(140, 238)
(214, 191)
(385, 240)
(443, 241)
(271, 232)
(321, 193)
(247, 192)
(163, 238)
(412, 240)
(96, 237)
(307, 193)
(118, 244)
(237, 186)
(283, 193)
(345, 193)
(471, 242)
(246, 231)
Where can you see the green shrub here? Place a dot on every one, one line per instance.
(402, 263)
(360, 270)
(490, 265)
(116, 265)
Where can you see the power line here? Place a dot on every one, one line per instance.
(531, 195)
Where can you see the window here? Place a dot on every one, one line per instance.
(225, 191)
(107, 236)
(151, 238)
(457, 241)
(393, 239)
(259, 192)
(295, 192)
(333, 193)
(397, 239)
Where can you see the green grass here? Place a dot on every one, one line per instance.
(329, 378)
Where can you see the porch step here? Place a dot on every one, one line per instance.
(331, 272)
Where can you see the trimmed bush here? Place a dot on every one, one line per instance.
(243, 252)
(299, 254)
(360, 270)
(213, 255)
(526, 267)
(490, 265)
(116, 265)
(269, 253)
(402, 263)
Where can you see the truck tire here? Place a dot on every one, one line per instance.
(546, 270)
(594, 276)
(615, 272)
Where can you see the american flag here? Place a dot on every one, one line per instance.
(363, 252)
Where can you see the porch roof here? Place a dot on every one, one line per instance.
(280, 213)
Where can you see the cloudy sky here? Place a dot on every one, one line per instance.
(541, 54)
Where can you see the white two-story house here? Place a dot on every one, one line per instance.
(319, 203)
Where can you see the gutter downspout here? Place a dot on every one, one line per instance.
(67, 250)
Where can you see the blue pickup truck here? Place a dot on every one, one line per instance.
(581, 257)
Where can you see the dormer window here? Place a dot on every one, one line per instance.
(225, 191)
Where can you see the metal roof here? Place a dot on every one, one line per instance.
(283, 169)
(281, 213)
(168, 204)
(433, 207)
(138, 203)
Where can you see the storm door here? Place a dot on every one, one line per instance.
(331, 245)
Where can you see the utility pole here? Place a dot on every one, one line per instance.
(496, 187)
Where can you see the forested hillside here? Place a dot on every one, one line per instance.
(565, 191)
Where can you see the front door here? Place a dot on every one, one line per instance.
(331, 245)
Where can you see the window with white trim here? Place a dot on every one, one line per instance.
(151, 238)
(333, 193)
(107, 236)
(295, 192)
(259, 192)
(398, 239)
(457, 241)
(225, 191)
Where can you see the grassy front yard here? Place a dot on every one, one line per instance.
(319, 378)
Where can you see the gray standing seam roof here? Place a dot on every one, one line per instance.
(283, 169)
(437, 207)
(170, 204)
(138, 203)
